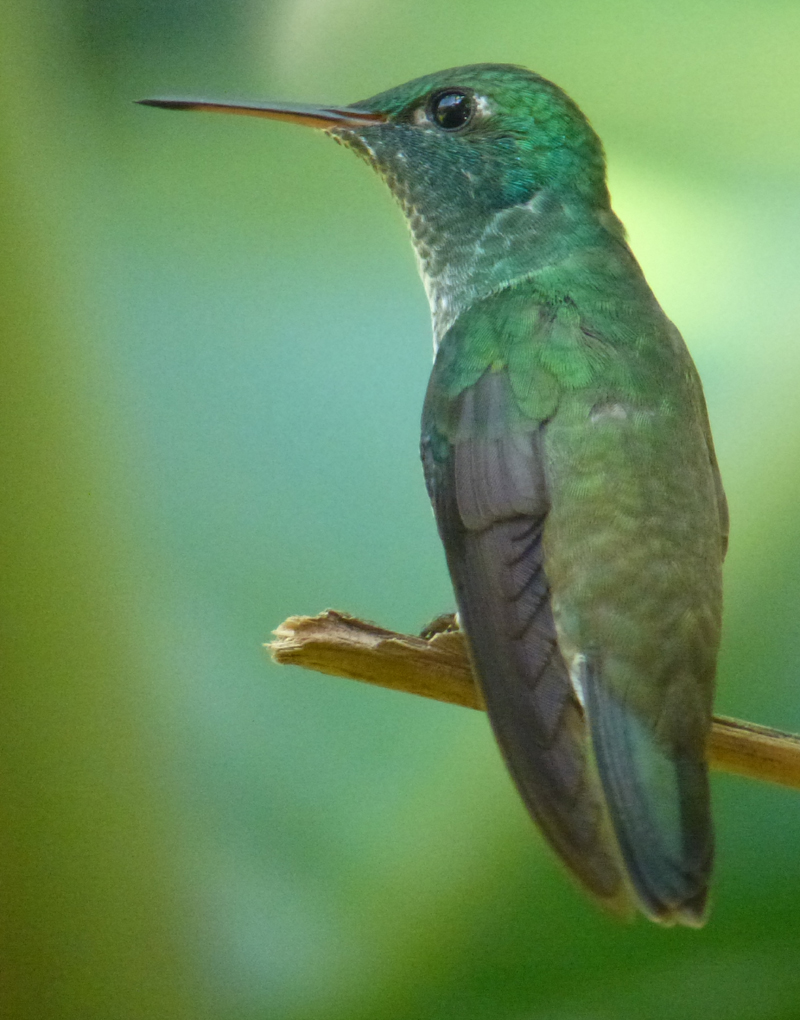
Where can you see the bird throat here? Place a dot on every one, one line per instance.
(465, 251)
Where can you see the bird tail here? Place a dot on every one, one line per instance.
(658, 801)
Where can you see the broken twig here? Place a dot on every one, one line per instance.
(438, 668)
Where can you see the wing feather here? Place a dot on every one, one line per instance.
(489, 493)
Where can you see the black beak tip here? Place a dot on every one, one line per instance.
(165, 104)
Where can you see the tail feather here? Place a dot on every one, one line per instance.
(658, 799)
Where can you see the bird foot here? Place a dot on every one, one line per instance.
(447, 623)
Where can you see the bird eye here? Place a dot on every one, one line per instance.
(451, 110)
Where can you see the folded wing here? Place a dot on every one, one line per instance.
(486, 480)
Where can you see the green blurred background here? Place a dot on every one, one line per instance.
(214, 352)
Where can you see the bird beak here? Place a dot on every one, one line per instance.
(325, 118)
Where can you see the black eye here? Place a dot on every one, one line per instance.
(452, 109)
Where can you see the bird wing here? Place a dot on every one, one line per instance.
(485, 476)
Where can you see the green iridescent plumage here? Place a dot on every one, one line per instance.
(569, 461)
(570, 465)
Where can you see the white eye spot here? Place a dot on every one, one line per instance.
(420, 115)
(483, 108)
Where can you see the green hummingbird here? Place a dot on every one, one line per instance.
(569, 460)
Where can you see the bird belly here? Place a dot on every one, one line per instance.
(632, 554)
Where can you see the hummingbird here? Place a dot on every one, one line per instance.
(568, 457)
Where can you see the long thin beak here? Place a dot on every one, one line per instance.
(323, 117)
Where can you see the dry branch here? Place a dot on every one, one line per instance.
(438, 668)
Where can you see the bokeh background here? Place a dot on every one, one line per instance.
(214, 352)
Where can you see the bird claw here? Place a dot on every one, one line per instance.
(447, 623)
